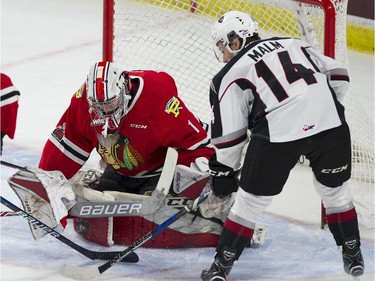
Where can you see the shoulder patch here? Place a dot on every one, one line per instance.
(59, 132)
(173, 106)
(78, 93)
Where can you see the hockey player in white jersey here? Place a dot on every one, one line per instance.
(289, 96)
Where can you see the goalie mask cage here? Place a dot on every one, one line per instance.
(175, 36)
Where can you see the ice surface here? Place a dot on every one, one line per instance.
(47, 48)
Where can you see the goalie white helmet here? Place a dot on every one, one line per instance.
(108, 98)
(230, 27)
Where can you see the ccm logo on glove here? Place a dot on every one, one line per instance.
(224, 178)
(220, 173)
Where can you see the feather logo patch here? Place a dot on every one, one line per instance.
(122, 155)
(132, 158)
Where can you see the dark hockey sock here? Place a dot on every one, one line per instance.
(235, 236)
(343, 225)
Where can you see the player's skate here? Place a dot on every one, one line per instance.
(352, 257)
(221, 266)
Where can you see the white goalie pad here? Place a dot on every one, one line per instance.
(259, 235)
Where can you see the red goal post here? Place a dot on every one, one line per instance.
(326, 5)
(174, 36)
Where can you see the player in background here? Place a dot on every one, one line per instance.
(130, 118)
(9, 108)
(289, 96)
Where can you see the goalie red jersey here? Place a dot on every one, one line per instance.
(156, 119)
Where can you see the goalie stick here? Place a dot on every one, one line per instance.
(84, 273)
(88, 253)
(5, 163)
(141, 207)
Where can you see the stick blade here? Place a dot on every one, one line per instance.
(79, 273)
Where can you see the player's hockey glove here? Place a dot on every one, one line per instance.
(224, 178)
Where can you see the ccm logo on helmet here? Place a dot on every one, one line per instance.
(334, 170)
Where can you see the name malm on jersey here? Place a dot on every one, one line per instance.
(260, 50)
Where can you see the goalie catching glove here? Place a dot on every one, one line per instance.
(46, 195)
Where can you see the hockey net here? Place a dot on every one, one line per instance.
(175, 36)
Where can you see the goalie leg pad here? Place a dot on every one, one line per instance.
(259, 235)
(97, 230)
(188, 232)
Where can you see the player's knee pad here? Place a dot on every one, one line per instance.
(336, 199)
(248, 206)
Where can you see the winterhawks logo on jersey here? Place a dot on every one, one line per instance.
(122, 155)
(308, 127)
(173, 106)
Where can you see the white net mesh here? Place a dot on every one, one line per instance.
(174, 36)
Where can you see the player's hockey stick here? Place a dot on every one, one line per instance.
(88, 253)
(7, 214)
(84, 273)
(10, 165)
